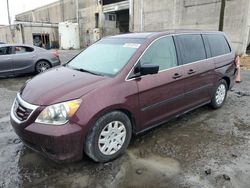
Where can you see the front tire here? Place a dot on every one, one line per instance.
(109, 137)
(220, 95)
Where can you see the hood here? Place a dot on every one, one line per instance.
(59, 85)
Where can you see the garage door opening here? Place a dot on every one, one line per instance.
(41, 40)
(122, 22)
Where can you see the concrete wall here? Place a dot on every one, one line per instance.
(6, 34)
(52, 13)
(30, 30)
(150, 15)
(159, 15)
(87, 10)
(23, 33)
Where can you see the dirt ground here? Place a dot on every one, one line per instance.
(245, 62)
(204, 148)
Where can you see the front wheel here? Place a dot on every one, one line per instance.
(220, 95)
(109, 137)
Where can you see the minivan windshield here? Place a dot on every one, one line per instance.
(106, 57)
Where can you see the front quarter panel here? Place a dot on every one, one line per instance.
(116, 96)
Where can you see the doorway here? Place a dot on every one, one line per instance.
(122, 20)
(41, 40)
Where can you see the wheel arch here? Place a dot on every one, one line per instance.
(227, 79)
(109, 110)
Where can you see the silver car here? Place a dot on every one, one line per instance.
(21, 59)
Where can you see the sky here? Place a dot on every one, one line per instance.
(19, 6)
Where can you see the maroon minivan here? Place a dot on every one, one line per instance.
(119, 86)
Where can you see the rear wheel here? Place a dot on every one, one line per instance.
(42, 66)
(109, 137)
(220, 95)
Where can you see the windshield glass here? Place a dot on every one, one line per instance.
(106, 57)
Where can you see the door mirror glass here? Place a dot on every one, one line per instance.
(149, 69)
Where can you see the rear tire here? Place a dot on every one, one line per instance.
(109, 137)
(220, 94)
(42, 66)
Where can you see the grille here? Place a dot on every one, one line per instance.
(22, 113)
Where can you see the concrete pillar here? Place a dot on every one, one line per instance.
(131, 15)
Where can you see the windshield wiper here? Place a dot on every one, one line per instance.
(83, 70)
(87, 71)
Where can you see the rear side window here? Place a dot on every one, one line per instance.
(218, 44)
(5, 51)
(22, 49)
(191, 48)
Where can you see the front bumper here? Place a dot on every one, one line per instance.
(60, 143)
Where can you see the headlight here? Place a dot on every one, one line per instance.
(59, 114)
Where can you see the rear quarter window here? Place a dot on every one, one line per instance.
(191, 48)
(218, 44)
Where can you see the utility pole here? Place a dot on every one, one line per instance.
(222, 14)
(8, 10)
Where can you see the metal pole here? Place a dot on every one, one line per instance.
(8, 10)
(222, 14)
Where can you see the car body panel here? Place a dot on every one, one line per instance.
(160, 96)
(6, 64)
(72, 85)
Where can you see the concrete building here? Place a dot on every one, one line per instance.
(195, 14)
(98, 18)
(40, 34)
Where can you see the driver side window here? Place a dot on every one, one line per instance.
(162, 52)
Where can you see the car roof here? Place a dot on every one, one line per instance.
(146, 35)
(25, 45)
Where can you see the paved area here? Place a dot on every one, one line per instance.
(204, 148)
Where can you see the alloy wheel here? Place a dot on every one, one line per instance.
(220, 94)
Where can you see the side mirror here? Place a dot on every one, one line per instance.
(149, 69)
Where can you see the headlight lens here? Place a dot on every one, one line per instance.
(59, 114)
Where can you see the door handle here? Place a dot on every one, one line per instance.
(191, 71)
(177, 75)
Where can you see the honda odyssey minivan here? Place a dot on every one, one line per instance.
(120, 86)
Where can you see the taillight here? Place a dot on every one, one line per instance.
(56, 54)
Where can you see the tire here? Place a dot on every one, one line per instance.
(109, 137)
(220, 95)
(42, 66)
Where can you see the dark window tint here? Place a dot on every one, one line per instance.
(161, 52)
(218, 44)
(22, 49)
(191, 48)
(5, 50)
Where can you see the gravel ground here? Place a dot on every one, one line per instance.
(204, 148)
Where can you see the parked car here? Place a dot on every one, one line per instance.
(2, 42)
(122, 85)
(20, 59)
